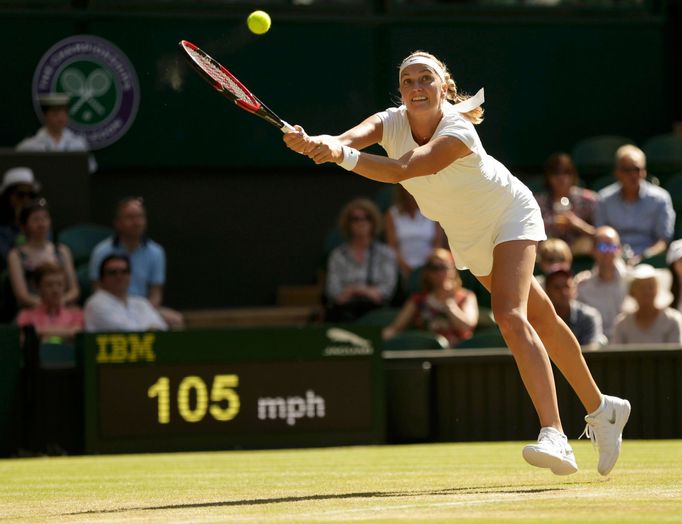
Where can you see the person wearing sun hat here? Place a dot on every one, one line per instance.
(674, 260)
(18, 187)
(55, 134)
(653, 321)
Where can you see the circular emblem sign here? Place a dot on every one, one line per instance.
(101, 82)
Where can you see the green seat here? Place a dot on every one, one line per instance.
(664, 154)
(484, 338)
(378, 317)
(413, 283)
(82, 238)
(414, 339)
(84, 283)
(536, 183)
(594, 156)
(385, 197)
(600, 182)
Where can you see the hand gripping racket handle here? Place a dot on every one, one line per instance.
(287, 128)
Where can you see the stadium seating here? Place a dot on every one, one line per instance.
(593, 156)
(664, 154)
(600, 182)
(379, 317)
(384, 197)
(484, 338)
(82, 238)
(408, 340)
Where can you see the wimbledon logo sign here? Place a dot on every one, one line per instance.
(101, 82)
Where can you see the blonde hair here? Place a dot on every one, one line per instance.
(629, 150)
(555, 249)
(367, 206)
(475, 116)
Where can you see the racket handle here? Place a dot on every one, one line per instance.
(287, 128)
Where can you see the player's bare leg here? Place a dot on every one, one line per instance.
(562, 347)
(509, 284)
(607, 415)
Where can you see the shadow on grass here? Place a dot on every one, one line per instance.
(335, 496)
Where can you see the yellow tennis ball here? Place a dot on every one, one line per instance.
(258, 22)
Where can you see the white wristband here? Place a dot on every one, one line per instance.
(350, 158)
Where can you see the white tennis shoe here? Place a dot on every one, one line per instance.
(551, 451)
(605, 429)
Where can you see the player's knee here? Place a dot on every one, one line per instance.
(510, 321)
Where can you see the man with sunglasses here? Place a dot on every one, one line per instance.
(605, 286)
(111, 308)
(641, 212)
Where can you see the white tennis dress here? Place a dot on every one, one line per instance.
(477, 201)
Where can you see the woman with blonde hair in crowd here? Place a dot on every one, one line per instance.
(362, 272)
(444, 307)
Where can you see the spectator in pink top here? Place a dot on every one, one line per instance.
(51, 318)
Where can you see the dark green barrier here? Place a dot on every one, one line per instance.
(477, 394)
(241, 388)
(10, 404)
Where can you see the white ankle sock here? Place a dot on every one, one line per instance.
(601, 406)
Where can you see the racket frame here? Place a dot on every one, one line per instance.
(252, 105)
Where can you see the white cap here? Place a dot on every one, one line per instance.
(54, 99)
(664, 296)
(674, 252)
(18, 175)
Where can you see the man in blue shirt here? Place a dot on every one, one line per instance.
(641, 212)
(147, 258)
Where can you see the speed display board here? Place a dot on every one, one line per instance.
(233, 388)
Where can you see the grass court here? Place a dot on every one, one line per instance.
(467, 482)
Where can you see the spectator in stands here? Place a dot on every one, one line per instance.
(18, 187)
(112, 308)
(584, 321)
(411, 235)
(24, 260)
(443, 307)
(51, 317)
(567, 209)
(55, 134)
(641, 212)
(552, 252)
(147, 258)
(652, 322)
(605, 286)
(362, 272)
(674, 260)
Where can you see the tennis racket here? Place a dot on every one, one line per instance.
(228, 85)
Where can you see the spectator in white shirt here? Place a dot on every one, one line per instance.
(55, 134)
(110, 308)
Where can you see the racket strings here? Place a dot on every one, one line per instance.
(220, 76)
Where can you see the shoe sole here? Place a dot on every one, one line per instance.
(540, 459)
(625, 417)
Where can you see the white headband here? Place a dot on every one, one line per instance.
(424, 60)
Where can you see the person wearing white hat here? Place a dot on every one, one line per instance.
(653, 322)
(674, 261)
(493, 224)
(55, 134)
(19, 187)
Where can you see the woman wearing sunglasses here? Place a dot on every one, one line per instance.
(443, 307)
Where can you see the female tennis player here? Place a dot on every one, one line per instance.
(493, 224)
